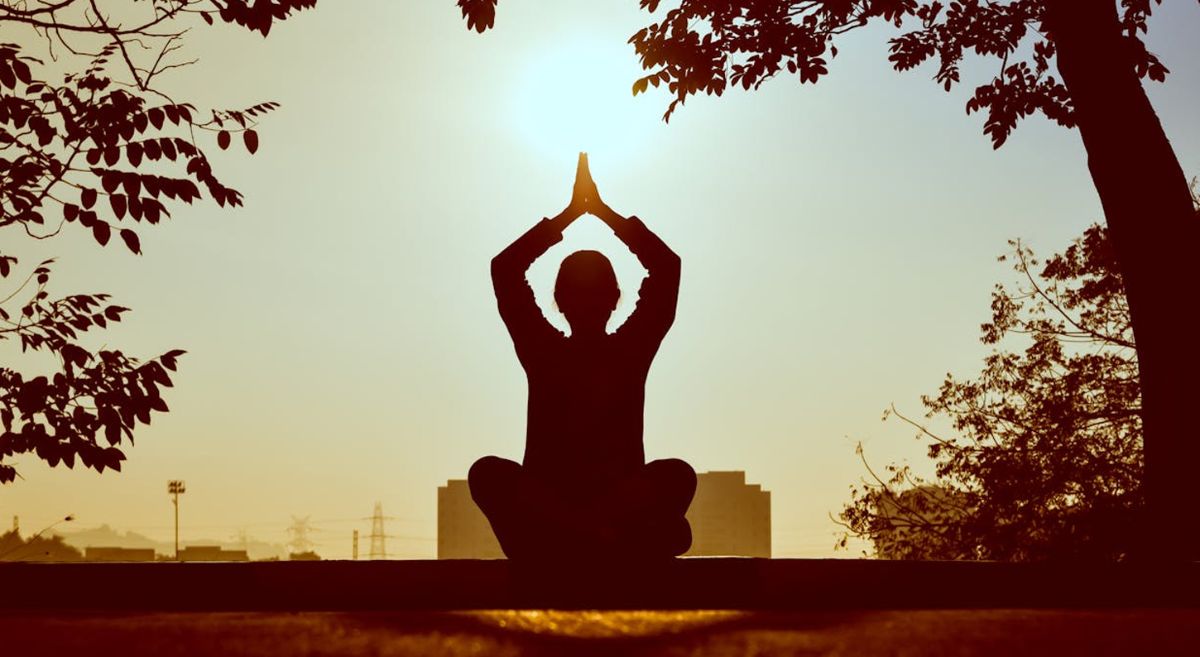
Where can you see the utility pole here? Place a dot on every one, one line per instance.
(175, 488)
(354, 546)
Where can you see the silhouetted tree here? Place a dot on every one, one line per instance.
(1046, 457)
(36, 548)
(703, 46)
(900, 522)
(105, 145)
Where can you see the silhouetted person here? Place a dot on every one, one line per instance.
(585, 487)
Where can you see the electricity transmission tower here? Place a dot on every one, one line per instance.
(299, 530)
(378, 537)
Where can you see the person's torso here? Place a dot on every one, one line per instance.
(586, 401)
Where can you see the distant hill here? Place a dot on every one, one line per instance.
(105, 536)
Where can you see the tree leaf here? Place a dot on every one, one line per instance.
(250, 138)
(131, 240)
(101, 231)
(22, 71)
(117, 201)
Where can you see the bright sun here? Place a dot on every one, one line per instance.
(577, 97)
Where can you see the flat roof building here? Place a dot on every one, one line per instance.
(211, 553)
(118, 554)
(729, 517)
(463, 530)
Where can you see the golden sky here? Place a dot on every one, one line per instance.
(838, 247)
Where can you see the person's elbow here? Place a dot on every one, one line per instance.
(501, 265)
(670, 263)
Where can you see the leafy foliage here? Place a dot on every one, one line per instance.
(107, 151)
(706, 46)
(480, 14)
(36, 548)
(1046, 460)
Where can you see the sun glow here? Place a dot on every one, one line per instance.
(577, 96)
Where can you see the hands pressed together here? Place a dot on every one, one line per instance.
(585, 198)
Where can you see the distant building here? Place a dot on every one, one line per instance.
(105, 536)
(463, 530)
(118, 554)
(728, 517)
(211, 553)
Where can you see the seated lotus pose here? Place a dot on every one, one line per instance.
(585, 487)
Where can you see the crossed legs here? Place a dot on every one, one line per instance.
(638, 517)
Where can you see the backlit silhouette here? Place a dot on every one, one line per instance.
(584, 487)
(1080, 63)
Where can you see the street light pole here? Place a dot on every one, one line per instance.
(175, 488)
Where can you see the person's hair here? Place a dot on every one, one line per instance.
(586, 285)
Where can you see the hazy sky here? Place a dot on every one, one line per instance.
(838, 246)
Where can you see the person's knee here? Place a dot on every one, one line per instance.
(677, 480)
(676, 475)
(487, 476)
(680, 540)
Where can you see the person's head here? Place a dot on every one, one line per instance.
(586, 290)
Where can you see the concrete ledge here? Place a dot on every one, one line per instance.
(762, 584)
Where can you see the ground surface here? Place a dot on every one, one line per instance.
(924, 633)
(752, 584)
(811, 608)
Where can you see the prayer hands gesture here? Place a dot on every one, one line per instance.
(585, 197)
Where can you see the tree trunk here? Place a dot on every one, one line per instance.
(1156, 233)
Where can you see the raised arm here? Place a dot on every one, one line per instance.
(514, 297)
(659, 293)
(655, 310)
